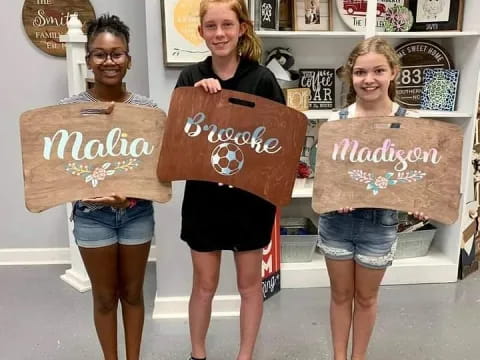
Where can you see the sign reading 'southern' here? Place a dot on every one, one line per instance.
(234, 138)
(78, 151)
(398, 163)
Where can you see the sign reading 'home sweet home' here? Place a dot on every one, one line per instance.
(46, 20)
(78, 151)
(235, 138)
(389, 162)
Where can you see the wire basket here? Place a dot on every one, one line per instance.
(298, 237)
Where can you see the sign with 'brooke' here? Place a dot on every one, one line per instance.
(235, 138)
(400, 163)
(79, 151)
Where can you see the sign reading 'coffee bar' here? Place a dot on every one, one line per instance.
(416, 56)
(45, 20)
(234, 138)
(79, 151)
(389, 162)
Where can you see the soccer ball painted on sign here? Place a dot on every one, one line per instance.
(227, 159)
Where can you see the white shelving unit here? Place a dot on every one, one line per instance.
(330, 49)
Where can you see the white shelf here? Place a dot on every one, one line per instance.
(428, 34)
(433, 268)
(311, 34)
(325, 114)
(443, 114)
(303, 188)
(317, 114)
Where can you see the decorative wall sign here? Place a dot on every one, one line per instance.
(440, 89)
(45, 20)
(78, 151)
(398, 19)
(353, 12)
(436, 15)
(321, 83)
(235, 138)
(312, 15)
(297, 98)
(416, 56)
(182, 44)
(268, 13)
(388, 162)
(271, 262)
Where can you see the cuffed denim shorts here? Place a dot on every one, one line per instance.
(368, 236)
(107, 226)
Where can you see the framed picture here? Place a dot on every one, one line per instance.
(182, 44)
(437, 15)
(312, 15)
(268, 14)
(286, 15)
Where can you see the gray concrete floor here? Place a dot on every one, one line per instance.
(43, 318)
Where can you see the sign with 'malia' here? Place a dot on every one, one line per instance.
(398, 163)
(79, 151)
(234, 138)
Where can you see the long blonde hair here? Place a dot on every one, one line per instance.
(249, 45)
(376, 45)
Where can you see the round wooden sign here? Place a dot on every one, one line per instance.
(415, 57)
(353, 12)
(45, 20)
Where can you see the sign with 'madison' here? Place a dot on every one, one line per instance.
(399, 163)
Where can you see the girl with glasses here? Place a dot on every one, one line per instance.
(113, 233)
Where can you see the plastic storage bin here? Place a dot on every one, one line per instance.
(298, 238)
(416, 243)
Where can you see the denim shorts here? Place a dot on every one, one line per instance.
(107, 226)
(368, 236)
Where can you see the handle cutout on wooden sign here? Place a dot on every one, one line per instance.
(395, 125)
(108, 110)
(241, 102)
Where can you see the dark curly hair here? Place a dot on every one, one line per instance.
(107, 23)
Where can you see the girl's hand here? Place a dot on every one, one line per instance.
(419, 216)
(345, 210)
(210, 85)
(116, 201)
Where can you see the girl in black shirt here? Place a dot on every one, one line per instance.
(217, 217)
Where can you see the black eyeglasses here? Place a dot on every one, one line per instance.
(119, 57)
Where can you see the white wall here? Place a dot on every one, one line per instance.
(31, 79)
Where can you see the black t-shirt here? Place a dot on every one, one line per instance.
(218, 217)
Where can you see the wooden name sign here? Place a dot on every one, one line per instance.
(389, 162)
(45, 20)
(78, 151)
(235, 138)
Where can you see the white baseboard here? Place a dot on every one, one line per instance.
(43, 256)
(176, 307)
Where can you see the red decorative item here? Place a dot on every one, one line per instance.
(303, 171)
